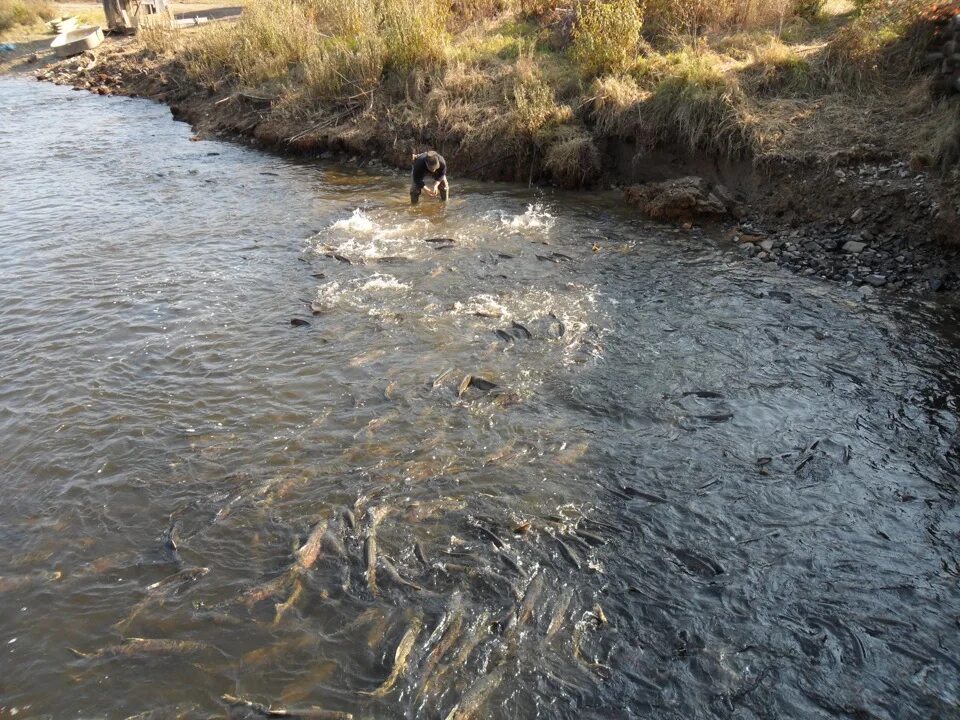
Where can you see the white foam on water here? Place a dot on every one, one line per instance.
(363, 236)
(384, 282)
(574, 305)
(358, 222)
(481, 305)
(536, 217)
(367, 293)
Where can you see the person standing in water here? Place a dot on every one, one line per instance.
(430, 174)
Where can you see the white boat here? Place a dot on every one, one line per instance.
(76, 41)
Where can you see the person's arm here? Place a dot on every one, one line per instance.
(419, 171)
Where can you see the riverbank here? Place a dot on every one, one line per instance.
(819, 140)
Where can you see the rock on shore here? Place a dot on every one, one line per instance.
(684, 200)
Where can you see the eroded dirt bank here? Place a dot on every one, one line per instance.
(861, 216)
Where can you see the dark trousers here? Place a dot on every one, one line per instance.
(415, 192)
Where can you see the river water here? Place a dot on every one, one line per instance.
(678, 486)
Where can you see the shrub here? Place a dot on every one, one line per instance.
(698, 107)
(606, 36)
(615, 108)
(534, 107)
(885, 43)
(945, 143)
(776, 67)
(24, 12)
(343, 18)
(413, 32)
(807, 9)
(693, 18)
(572, 159)
(258, 50)
(340, 69)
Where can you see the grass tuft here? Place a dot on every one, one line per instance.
(606, 36)
(572, 158)
(885, 44)
(25, 13)
(698, 107)
(776, 68)
(615, 105)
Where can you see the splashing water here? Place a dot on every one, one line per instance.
(481, 476)
(535, 217)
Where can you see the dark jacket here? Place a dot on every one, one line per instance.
(420, 170)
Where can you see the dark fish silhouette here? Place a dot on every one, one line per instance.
(521, 330)
(696, 563)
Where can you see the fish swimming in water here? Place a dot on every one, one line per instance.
(479, 632)
(160, 591)
(491, 536)
(451, 633)
(269, 589)
(308, 713)
(307, 684)
(306, 556)
(509, 562)
(400, 658)
(170, 543)
(521, 330)
(16, 582)
(271, 653)
(559, 613)
(696, 563)
(395, 576)
(135, 647)
(476, 697)
(590, 537)
(282, 608)
(332, 544)
(438, 380)
(569, 554)
(420, 511)
(420, 552)
(370, 555)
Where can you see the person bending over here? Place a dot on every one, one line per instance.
(430, 174)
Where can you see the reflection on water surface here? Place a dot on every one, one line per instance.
(494, 472)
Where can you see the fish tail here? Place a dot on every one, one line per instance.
(78, 653)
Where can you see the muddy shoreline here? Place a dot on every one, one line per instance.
(860, 216)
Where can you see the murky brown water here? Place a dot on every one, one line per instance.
(738, 488)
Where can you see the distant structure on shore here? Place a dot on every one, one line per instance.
(128, 15)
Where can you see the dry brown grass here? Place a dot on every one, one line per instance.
(606, 36)
(572, 158)
(497, 84)
(615, 105)
(160, 36)
(773, 67)
(25, 13)
(883, 46)
(699, 107)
